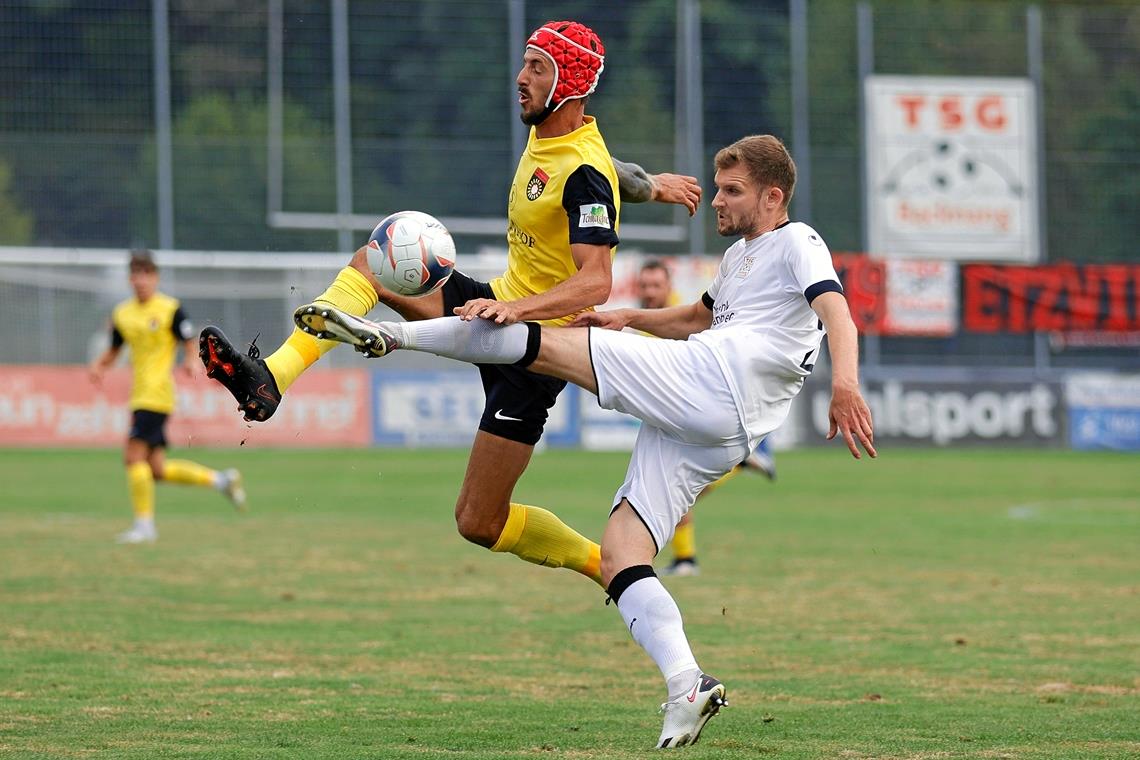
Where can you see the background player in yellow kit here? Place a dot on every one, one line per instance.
(562, 231)
(151, 325)
(655, 291)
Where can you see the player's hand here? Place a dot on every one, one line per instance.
(190, 369)
(677, 188)
(610, 320)
(499, 312)
(95, 372)
(849, 414)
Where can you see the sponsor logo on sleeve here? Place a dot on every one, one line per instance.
(594, 215)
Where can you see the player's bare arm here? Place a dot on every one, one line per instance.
(587, 287)
(848, 413)
(190, 361)
(635, 185)
(98, 368)
(672, 322)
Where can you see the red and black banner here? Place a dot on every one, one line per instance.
(1053, 297)
(864, 283)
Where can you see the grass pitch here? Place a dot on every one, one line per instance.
(932, 604)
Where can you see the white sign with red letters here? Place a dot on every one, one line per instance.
(951, 168)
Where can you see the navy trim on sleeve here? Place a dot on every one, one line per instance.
(707, 300)
(116, 338)
(589, 187)
(181, 326)
(824, 286)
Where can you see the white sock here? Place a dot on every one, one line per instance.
(479, 341)
(654, 620)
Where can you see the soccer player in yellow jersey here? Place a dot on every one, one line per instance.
(655, 291)
(152, 324)
(563, 227)
(722, 379)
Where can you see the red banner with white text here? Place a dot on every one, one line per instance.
(1061, 298)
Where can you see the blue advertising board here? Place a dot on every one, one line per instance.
(1104, 411)
(442, 408)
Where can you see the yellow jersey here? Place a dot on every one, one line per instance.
(565, 191)
(152, 330)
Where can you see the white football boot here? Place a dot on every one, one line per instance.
(326, 322)
(686, 715)
(234, 489)
(139, 533)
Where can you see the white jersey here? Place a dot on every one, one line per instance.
(764, 332)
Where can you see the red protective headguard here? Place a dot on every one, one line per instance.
(577, 55)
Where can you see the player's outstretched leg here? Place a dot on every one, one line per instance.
(227, 482)
(478, 341)
(325, 322)
(259, 385)
(245, 376)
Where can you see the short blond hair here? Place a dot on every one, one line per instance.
(765, 159)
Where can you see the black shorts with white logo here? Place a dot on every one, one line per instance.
(518, 400)
(148, 427)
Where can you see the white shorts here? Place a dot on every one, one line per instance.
(691, 432)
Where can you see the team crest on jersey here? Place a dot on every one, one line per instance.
(746, 267)
(537, 184)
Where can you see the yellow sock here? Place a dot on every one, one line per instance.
(351, 293)
(538, 536)
(188, 473)
(684, 542)
(140, 485)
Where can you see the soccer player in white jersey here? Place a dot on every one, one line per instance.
(738, 357)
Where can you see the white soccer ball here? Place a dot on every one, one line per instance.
(411, 253)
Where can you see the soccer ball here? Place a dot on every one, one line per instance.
(411, 253)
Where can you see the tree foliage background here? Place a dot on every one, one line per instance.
(432, 89)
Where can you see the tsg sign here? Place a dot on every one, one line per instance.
(951, 168)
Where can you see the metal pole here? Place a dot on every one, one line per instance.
(275, 109)
(679, 112)
(516, 35)
(689, 69)
(342, 122)
(164, 153)
(801, 129)
(1036, 56)
(275, 138)
(865, 49)
(1036, 64)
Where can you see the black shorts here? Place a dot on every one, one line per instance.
(149, 427)
(518, 400)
